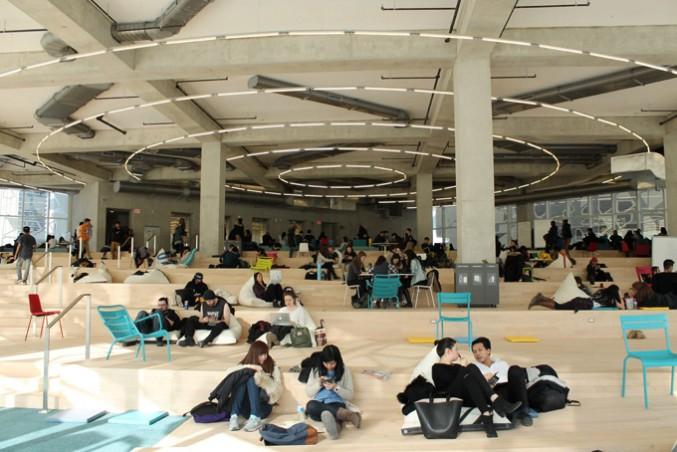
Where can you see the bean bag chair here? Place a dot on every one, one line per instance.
(154, 276)
(229, 297)
(95, 275)
(425, 367)
(562, 261)
(227, 337)
(569, 290)
(188, 259)
(248, 298)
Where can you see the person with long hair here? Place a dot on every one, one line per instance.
(647, 298)
(248, 398)
(355, 269)
(299, 317)
(327, 257)
(453, 378)
(271, 292)
(330, 385)
(608, 297)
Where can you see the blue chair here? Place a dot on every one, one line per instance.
(123, 329)
(456, 299)
(384, 287)
(648, 358)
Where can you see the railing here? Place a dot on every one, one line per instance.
(154, 237)
(119, 254)
(88, 340)
(59, 270)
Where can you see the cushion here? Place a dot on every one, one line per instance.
(229, 297)
(522, 339)
(153, 276)
(227, 337)
(425, 366)
(248, 298)
(569, 290)
(96, 275)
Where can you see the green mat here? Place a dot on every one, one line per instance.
(23, 429)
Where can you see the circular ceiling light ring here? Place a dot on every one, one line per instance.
(336, 123)
(400, 174)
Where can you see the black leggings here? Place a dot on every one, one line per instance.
(314, 409)
(273, 293)
(193, 324)
(471, 386)
(515, 390)
(577, 304)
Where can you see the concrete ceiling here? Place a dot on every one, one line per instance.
(619, 27)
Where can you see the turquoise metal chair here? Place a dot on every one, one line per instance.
(648, 358)
(123, 329)
(385, 287)
(455, 299)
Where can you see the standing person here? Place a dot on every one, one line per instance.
(510, 382)
(615, 240)
(179, 237)
(214, 316)
(552, 236)
(254, 395)
(566, 237)
(23, 255)
(117, 236)
(291, 239)
(330, 384)
(84, 234)
(237, 231)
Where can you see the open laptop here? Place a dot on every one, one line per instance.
(280, 318)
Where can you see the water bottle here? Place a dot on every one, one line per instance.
(301, 413)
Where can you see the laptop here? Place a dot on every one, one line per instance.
(280, 318)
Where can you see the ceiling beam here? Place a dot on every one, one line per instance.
(87, 169)
(656, 44)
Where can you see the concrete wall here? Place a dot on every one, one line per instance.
(93, 200)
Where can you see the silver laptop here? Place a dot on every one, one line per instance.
(280, 318)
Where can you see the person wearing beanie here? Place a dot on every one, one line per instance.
(213, 316)
(193, 291)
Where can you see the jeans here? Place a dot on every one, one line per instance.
(23, 266)
(315, 408)
(193, 323)
(252, 404)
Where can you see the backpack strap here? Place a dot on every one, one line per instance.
(465, 415)
(573, 403)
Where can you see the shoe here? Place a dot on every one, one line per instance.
(160, 342)
(330, 424)
(253, 424)
(204, 344)
(234, 424)
(503, 407)
(355, 418)
(525, 419)
(534, 301)
(489, 427)
(187, 343)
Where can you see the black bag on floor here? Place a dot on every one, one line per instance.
(207, 412)
(549, 393)
(439, 419)
(257, 330)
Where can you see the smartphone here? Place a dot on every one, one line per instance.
(493, 380)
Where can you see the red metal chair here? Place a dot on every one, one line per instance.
(36, 311)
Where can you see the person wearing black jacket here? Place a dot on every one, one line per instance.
(169, 320)
(566, 238)
(231, 258)
(665, 282)
(215, 315)
(117, 236)
(193, 290)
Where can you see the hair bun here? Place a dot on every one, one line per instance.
(437, 341)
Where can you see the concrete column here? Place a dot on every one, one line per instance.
(424, 206)
(670, 151)
(212, 198)
(474, 159)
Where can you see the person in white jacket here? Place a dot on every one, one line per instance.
(330, 385)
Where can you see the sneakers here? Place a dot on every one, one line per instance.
(253, 424)
(188, 342)
(524, 418)
(330, 424)
(204, 344)
(234, 424)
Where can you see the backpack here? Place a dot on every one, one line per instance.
(297, 434)
(257, 330)
(207, 412)
(549, 393)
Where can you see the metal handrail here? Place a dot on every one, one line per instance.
(125, 242)
(40, 258)
(88, 340)
(43, 277)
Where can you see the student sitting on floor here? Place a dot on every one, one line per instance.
(271, 292)
(327, 257)
(452, 378)
(253, 396)
(193, 291)
(510, 382)
(215, 315)
(169, 320)
(330, 384)
(608, 297)
(647, 298)
(595, 273)
(299, 317)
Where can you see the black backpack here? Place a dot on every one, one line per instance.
(207, 412)
(257, 330)
(297, 434)
(549, 393)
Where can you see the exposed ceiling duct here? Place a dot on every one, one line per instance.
(57, 111)
(167, 24)
(141, 161)
(54, 46)
(131, 187)
(562, 192)
(329, 98)
(628, 78)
